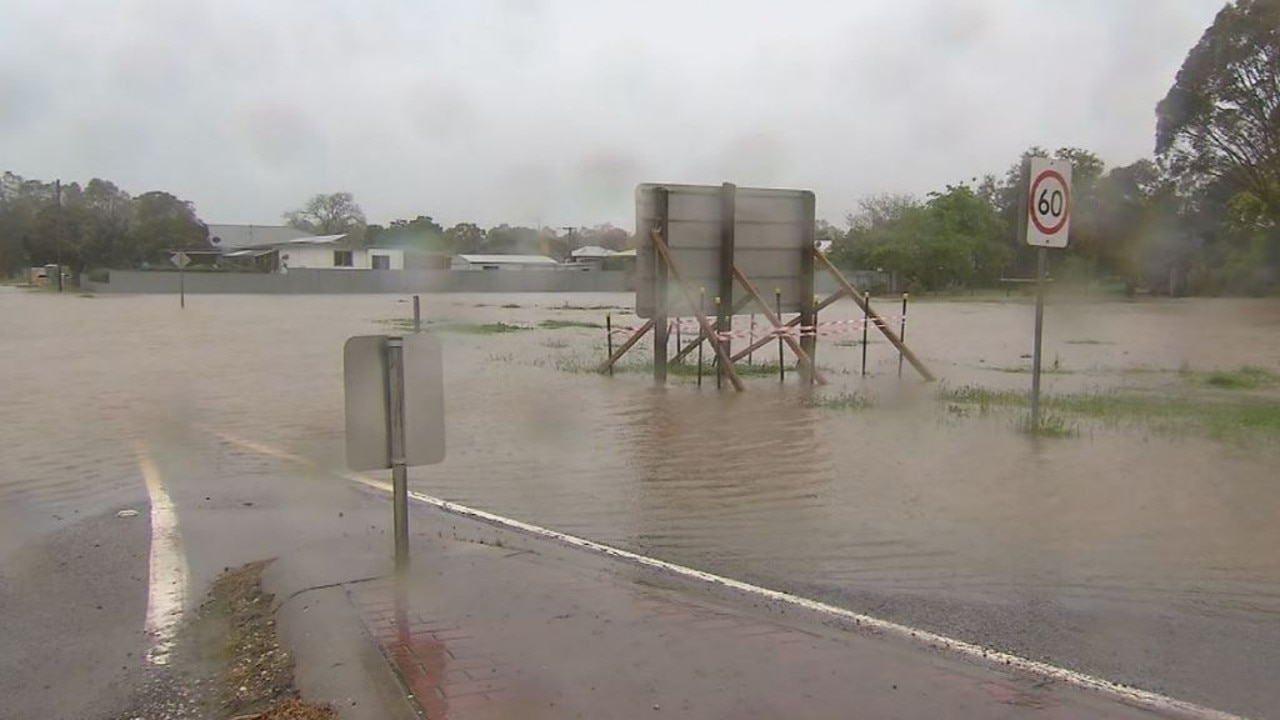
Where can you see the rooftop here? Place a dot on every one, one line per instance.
(593, 251)
(508, 259)
(234, 237)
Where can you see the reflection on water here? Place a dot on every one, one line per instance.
(908, 500)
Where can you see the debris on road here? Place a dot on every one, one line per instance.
(127, 513)
(257, 683)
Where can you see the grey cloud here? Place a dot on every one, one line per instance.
(515, 111)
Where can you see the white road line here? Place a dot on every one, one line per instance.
(1133, 696)
(167, 588)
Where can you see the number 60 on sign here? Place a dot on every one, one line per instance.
(1049, 203)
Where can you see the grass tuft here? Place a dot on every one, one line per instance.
(1051, 426)
(562, 324)
(843, 401)
(1219, 418)
(497, 328)
(1243, 378)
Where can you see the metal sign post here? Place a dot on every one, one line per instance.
(395, 428)
(182, 260)
(394, 393)
(1048, 226)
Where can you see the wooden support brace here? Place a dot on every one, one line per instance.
(617, 354)
(805, 361)
(888, 332)
(762, 341)
(693, 344)
(729, 370)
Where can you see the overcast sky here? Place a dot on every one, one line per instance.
(525, 111)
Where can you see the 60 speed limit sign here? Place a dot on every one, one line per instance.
(1049, 203)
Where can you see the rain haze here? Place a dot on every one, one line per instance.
(544, 392)
(551, 112)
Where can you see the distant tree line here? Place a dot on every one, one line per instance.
(95, 225)
(335, 213)
(1202, 217)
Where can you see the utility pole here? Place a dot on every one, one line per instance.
(57, 226)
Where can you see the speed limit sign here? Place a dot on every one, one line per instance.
(1049, 203)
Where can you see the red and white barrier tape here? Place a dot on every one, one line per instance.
(826, 328)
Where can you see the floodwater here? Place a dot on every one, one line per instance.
(1142, 556)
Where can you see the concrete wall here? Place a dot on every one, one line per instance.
(306, 281)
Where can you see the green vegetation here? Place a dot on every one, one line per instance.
(497, 328)
(562, 324)
(1245, 416)
(94, 225)
(1201, 217)
(406, 325)
(843, 401)
(567, 306)
(1244, 378)
(1051, 426)
(401, 324)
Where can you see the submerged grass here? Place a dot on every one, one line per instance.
(562, 324)
(1051, 426)
(843, 401)
(1247, 377)
(1251, 416)
(406, 325)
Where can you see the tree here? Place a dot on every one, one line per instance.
(464, 238)
(1221, 119)
(331, 214)
(824, 233)
(606, 236)
(954, 239)
(20, 201)
(422, 233)
(511, 239)
(160, 222)
(109, 208)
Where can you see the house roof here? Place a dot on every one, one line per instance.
(508, 259)
(234, 237)
(314, 240)
(592, 251)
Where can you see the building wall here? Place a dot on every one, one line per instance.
(395, 257)
(317, 257)
(320, 257)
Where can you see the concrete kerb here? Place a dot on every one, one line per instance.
(337, 661)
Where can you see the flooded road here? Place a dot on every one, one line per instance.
(1142, 556)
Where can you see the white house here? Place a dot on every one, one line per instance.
(321, 252)
(330, 252)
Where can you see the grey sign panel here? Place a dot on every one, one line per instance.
(364, 366)
(773, 229)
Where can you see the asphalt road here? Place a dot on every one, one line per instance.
(73, 592)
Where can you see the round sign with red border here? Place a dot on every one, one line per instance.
(1049, 204)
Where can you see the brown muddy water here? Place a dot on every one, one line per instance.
(1127, 550)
